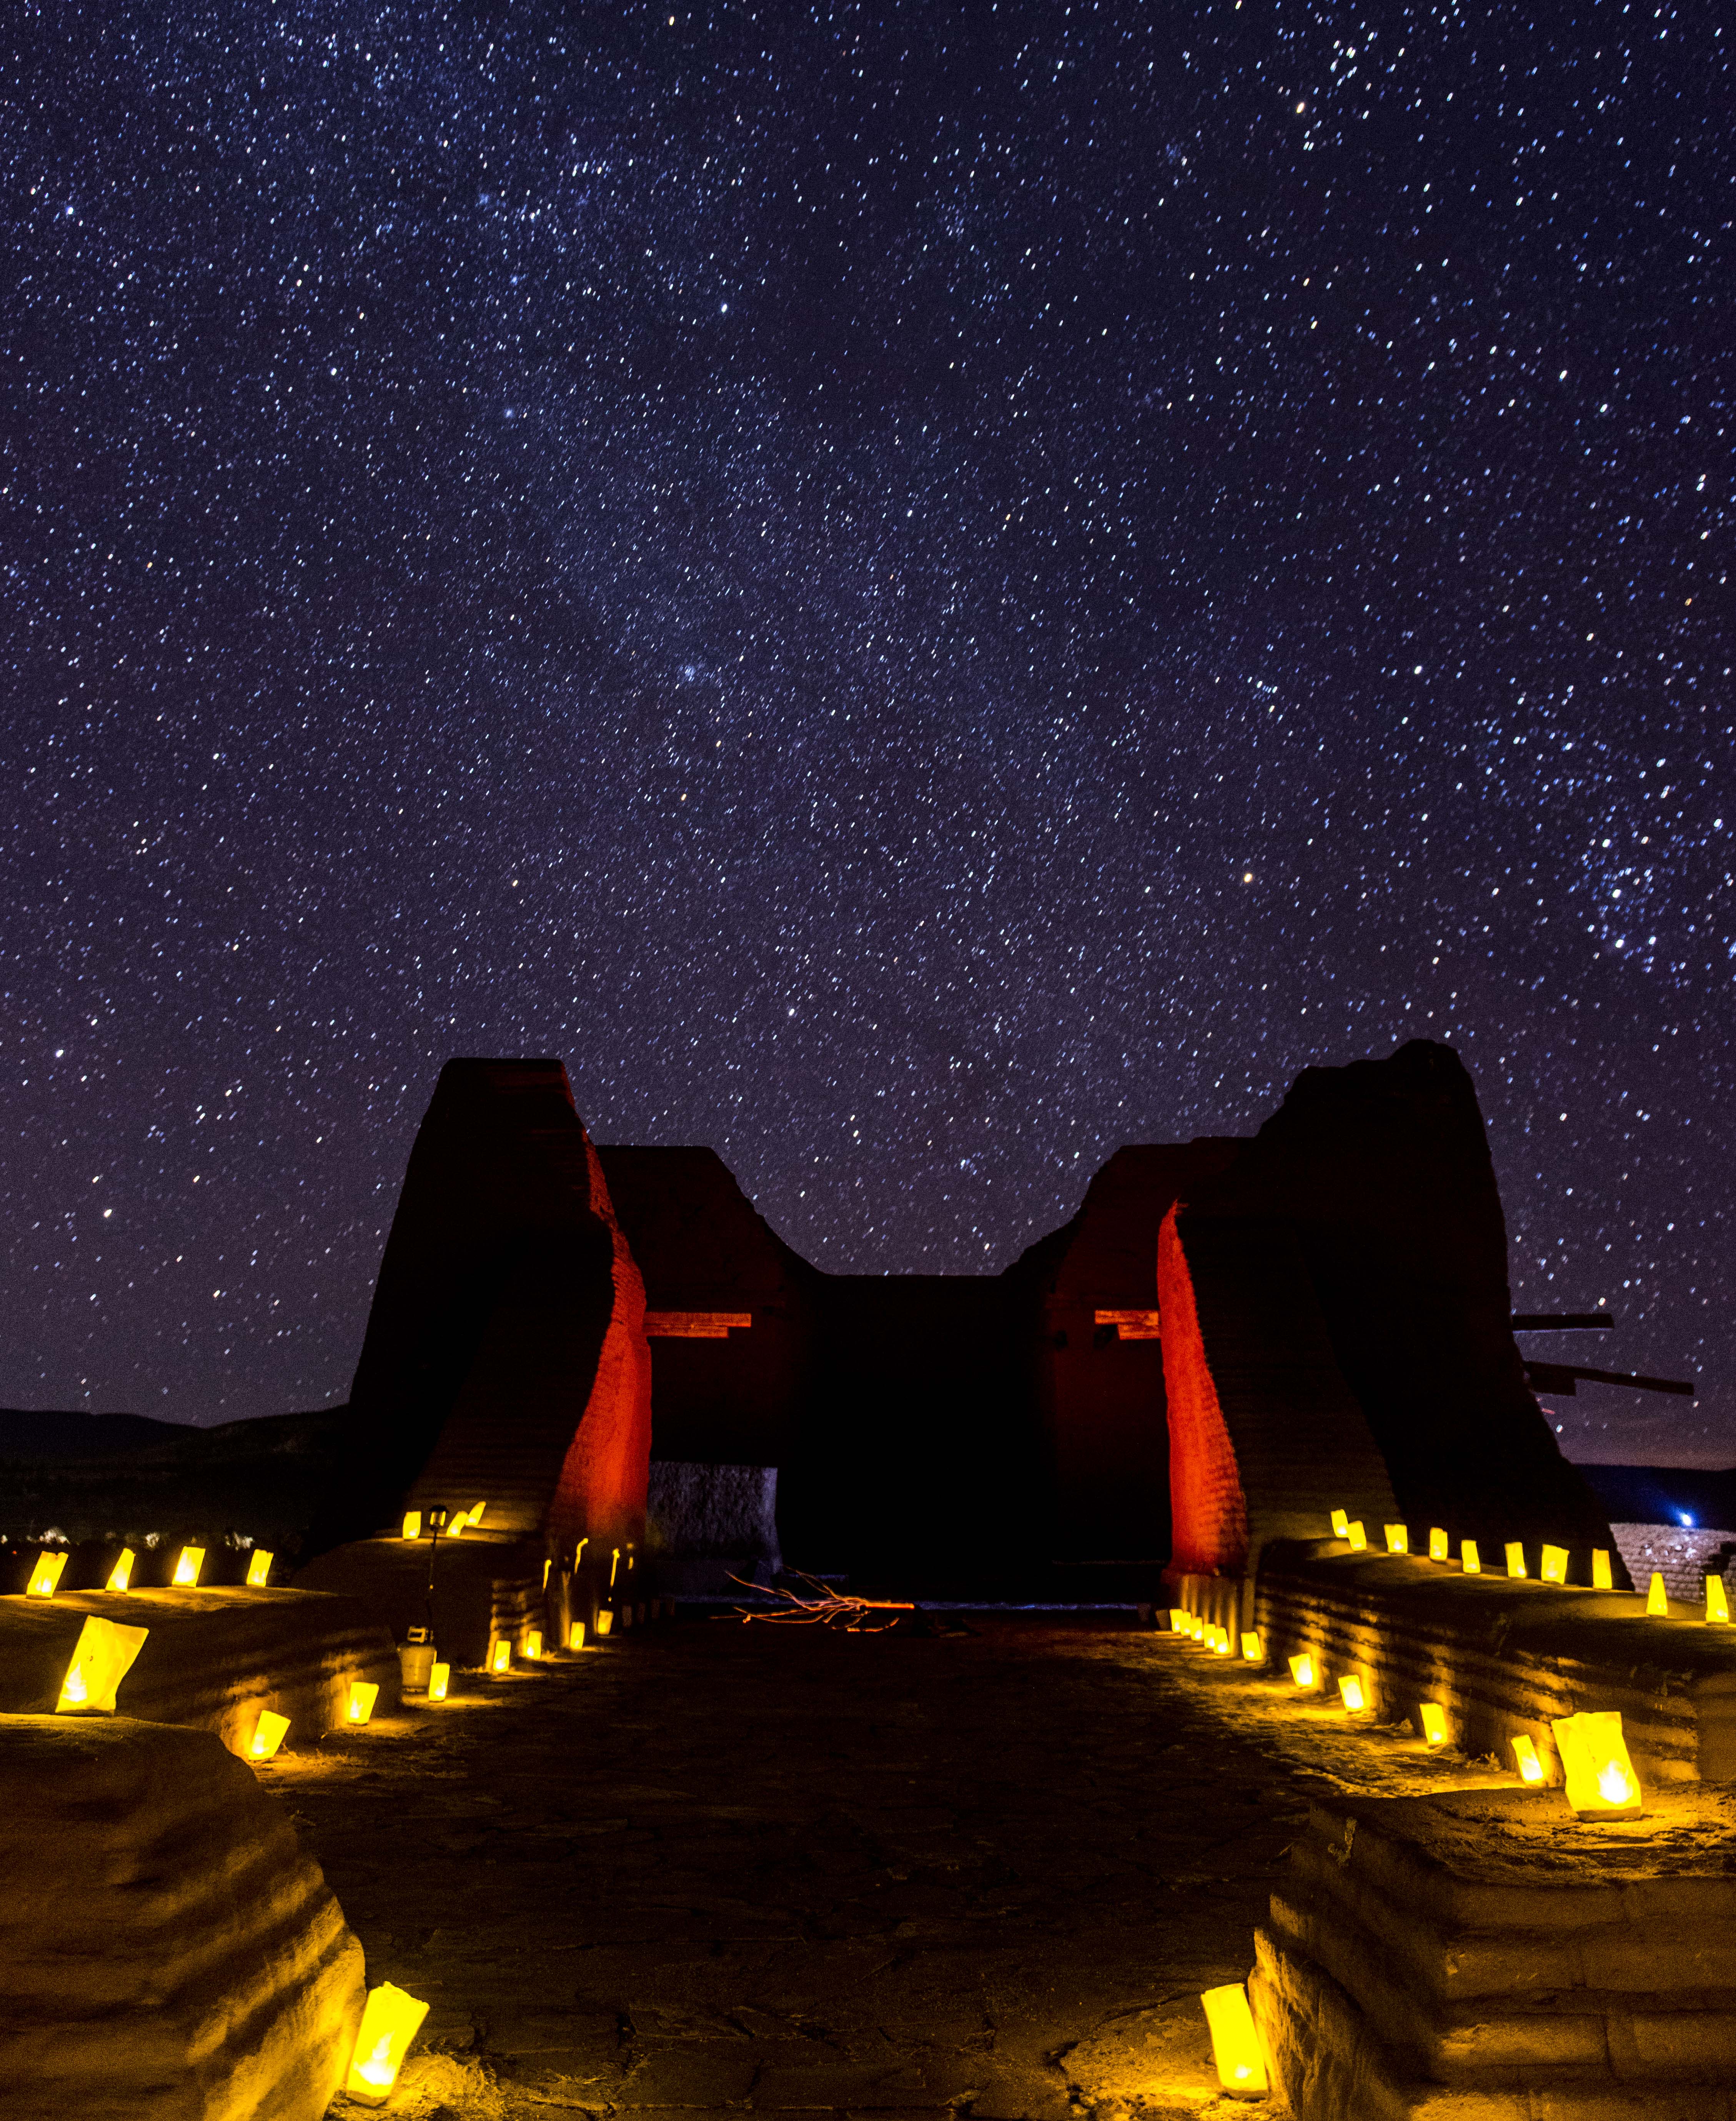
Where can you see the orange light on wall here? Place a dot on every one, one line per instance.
(259, 1568)
(1235, 2048)
(1717, 1603)
(1353, 1693)
(576, 1636)
(1340, 1525)
(1599, 1775)
(1434, 1721)
(1469, 1560)
(1254, 1650)
(120, 1576)
(1398, 1539)
(1600, 1577)
(46, 1575)
(439, 1678)
(1437, 1545)
(390, 2021)
(413, 1524)
(500, 1657)
(1657, 1598)
(268, 1735)
(614, 1565)
(102, 1656)
(534, 1644)
(546, 1566)
(1554, 1568)
(1357, 1536)
(1525, 1757)
(359, 1706)
(1302, 1670)
(606, 1620)
(1515, 1557)
(187, 1563)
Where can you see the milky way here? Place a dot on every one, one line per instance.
(917, 593)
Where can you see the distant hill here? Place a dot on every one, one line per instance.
(98, 1475)
(73, 1433)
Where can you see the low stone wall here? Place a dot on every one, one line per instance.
(1485, 1956)
(211, 1659)
(1681, 1554)
(167, 1951)
(706, 1526)
(1504, 1657)
(485, 1589)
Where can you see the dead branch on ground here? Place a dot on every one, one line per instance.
(825, 1607)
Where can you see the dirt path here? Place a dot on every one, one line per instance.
(714, 1866)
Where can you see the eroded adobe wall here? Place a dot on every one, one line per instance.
(1266, 1437)
(1383, 1168)
(918, 1460)
(504, 1358)
(167, 1949)
(703, 1248)
(1099, 1389)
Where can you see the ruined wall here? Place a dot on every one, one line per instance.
(1266, 1439)
(735, 1399)
(168, 1951)
(504, 1357)
(919, 1458)
(1383, 1169)
(1099, 1388)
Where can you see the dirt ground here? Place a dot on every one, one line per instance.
(713, 1867)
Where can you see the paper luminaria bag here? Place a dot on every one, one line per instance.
(46, 1577)
(390, 2021)
(268, 1735)
(102, 1656)
(1599, 1775)
(1236, 2047)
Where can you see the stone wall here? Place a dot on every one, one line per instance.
(737, 1398)
(1265, 1436)
(167, 1950)
(1682, 1555)
(1099, 1386)
(1484, 1954)
(706, 1525)
(1383, 1169)
(210, 1659)
(505, 1358)
(920, 1460)
(1504, 1657)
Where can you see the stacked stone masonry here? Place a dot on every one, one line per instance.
(1486, 1956)
(1505, 1658)
(167, 1952)
(210, 1659)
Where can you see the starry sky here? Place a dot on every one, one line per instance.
(919, 592)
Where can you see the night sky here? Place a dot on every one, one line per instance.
(917, 592)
